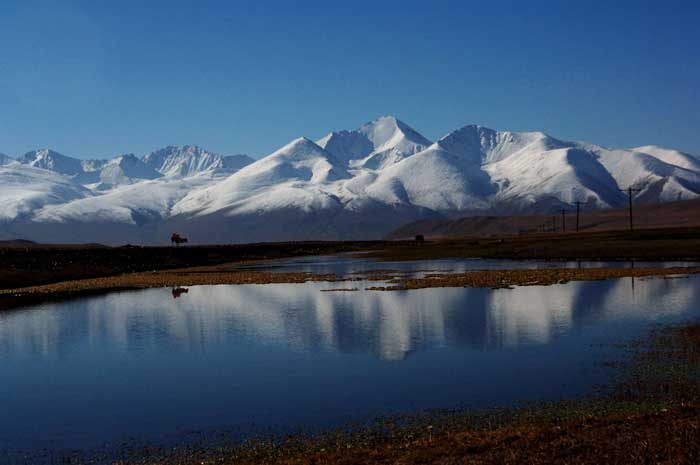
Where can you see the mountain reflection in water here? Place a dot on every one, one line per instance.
(301, 317)
(144, 364)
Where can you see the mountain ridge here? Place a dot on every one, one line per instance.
(349, 184)
(169, 161)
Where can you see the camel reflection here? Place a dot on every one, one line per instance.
(178, 291)
(390, 325)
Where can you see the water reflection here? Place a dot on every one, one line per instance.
(346, 264)
(145, 364)
(178, 291)
(301, 317)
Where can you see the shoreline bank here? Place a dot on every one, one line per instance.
(392, 280)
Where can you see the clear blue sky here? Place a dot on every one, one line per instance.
(96, 78)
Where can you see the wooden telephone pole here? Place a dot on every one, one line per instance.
(629, 191)
(578, 213)
(563, 220)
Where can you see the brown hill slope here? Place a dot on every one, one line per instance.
(684, 213)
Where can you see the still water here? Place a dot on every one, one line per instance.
(147, 366)
(345, 264)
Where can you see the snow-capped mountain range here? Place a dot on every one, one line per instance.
(347, 185)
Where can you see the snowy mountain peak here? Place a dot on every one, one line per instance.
(350, 184)
(183, 161)
(135, 166)
(49, 160)
(387, 132)
(127, 158)
(375, 145)
(468, 142)
(673, 157)
(300, 147)
(291, 177)
(347, 145)
(125, 169)
(305, 160)
(655, 148)
(485, 145)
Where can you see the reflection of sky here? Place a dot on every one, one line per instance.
(302, 318)
(141, 363)
(345, 264)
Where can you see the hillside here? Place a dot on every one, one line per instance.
(684, 213)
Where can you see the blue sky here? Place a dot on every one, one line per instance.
(97, 78)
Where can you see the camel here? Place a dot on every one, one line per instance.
(177, 239)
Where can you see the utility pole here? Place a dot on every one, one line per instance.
(629, 191)
(578, 213)
(563, 220)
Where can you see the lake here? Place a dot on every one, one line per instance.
(345, 264)
(156, 365)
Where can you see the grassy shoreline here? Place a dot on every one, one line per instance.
(43, 273)
(45, 264)
(388, 280)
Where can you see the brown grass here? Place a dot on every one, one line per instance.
(671, 436)
(40, 264)
(525, 277)
(647, 244)
(396, 280)
(684, 213)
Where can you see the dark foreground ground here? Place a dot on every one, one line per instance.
(26, 264)
(30, 264)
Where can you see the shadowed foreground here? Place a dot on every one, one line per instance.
(651, 416)
(26, 264)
